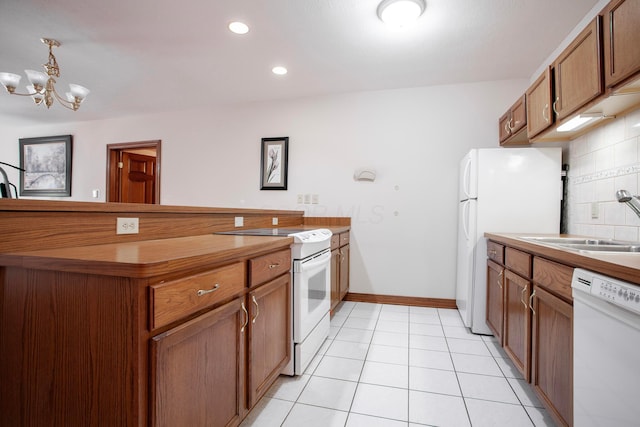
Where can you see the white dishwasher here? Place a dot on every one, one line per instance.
(606, 351)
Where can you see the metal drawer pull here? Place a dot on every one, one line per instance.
(500, 279)
(531, 302)
(203, 292)
(246, 318)
(253, 298)
(522, 300)
(274, 265)
(544, 116)
(554, 105)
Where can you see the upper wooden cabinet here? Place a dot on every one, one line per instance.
(512, 124)
(621, 23)
(578, 71)
(538, 101)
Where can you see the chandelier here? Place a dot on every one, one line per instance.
(42, 88)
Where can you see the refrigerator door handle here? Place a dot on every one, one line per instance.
(465, 218)
(466, 181)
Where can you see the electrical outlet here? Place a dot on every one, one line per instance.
(595, 210)
(127, 226)
(274, 221)
(239, 221)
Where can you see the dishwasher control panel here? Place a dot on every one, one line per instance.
(615, 291)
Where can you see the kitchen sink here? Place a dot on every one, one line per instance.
(587, 244)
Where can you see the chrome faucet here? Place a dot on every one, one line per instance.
(632, 201)
(5, 182)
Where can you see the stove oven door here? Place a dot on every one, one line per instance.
(311, 293)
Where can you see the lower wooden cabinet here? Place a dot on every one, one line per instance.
(269, 335)
(552, 354)
(344, 271)
(340, 261)
(531, 315)
(198, 370)
(517, 329)
(495, 299)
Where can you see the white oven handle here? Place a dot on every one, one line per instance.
(315, 262)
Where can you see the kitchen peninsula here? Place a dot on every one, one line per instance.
(132, 329)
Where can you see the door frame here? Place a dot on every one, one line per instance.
(112, 166)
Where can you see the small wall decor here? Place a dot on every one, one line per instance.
(274, 163)
(47, 166)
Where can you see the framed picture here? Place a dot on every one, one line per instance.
(274, 163)
(47, 166)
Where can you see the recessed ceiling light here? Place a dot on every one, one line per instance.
(400, 13)
(281, 71)
(239, 27)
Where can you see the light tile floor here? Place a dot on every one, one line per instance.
(391, 365)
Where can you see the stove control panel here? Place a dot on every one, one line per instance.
(618, 292)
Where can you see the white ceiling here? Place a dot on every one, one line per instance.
(141, 56)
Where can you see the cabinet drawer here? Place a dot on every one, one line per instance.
(495, 251)
(171, 301)
(266, 267)
(553, 276)
(344, 238)
(518, 261)
(335, 241)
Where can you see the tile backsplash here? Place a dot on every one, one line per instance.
(600, 163)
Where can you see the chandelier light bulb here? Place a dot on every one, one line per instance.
(279, 70)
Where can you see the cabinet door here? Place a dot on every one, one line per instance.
(335, 278)
(578, 72)
(344, 271)
(495, 299)
(269, 335)
(504, 132)
(538, 100)
(518, 115)
(198, 370)
(621, 40)
(517, 332)
(552, 354)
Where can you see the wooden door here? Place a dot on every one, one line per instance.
(344, 271)
(517, 321)
(198, 370)
(578, 72)
(552, 354)
(137, 176)
(621, 41)
(133, 172)
(269, 335)
(495, 299)
(538, 105)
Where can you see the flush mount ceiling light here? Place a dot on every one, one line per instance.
(279, 70)
(239, 27)
(400, 13)
(582, 120)
(42, 87)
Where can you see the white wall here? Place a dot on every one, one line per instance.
(403, 224)
(600, 163)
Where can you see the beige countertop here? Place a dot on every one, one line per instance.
(623, 266)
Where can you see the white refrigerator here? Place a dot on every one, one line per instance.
(504, 190)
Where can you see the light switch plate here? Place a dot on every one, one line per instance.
(595, 210)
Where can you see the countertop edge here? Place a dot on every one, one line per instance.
(621, 266)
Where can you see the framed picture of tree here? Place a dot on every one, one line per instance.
(47, 166)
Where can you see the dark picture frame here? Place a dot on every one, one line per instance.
(47, 166)
(274, 163)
